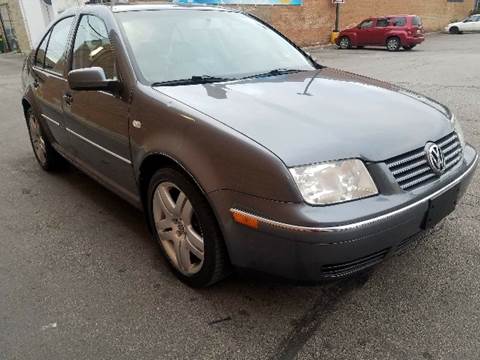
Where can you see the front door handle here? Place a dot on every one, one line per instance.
(68, 99)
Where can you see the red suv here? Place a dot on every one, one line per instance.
(394, 32)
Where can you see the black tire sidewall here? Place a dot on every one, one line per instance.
(210, 230)
(454, 30)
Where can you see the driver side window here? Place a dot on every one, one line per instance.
(366, 24)
(92, 47)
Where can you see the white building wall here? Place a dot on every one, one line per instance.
(38, 15)
(60, 6)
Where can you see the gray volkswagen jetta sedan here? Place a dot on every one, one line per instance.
(243, 152)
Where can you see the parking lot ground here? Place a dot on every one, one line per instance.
(81, 279)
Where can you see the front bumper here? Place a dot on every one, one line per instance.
(302, 242)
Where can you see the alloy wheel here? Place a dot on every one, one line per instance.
(178, 228)
(344, 43)
(38, 141)
(393, 44)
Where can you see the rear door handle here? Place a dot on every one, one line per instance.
(36, 84)
(68, 98)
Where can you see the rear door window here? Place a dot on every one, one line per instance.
(40, 55)
(399, 21)
(56, 54)
(382, 22)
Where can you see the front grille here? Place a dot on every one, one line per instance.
(411, 170)
(350, 267)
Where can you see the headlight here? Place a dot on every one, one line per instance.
(334, 182)
(458, 130)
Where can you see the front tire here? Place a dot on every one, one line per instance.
(45, 154)
(393, 44)
(184, 225)
(454, 30)
(344, 43)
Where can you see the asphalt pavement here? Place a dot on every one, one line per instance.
(80, 277)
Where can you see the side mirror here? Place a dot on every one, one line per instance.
(90, 79)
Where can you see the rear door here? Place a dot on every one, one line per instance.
(379, 31)
(97, 121)
(49, 79)
(364, 32)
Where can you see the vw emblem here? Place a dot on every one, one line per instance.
(435, 158)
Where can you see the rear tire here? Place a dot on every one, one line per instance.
(184, 225)
(44, 152)
(393, 44)
(344, 43)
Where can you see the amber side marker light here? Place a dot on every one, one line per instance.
(245, 219)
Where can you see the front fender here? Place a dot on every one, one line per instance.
(217, 156)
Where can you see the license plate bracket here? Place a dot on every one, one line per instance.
(441, 206)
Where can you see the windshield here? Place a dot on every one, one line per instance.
(170, 45)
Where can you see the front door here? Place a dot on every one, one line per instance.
(476, 23)
(97, 121)
(49, 80)
(364, 32)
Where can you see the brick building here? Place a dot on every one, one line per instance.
(307, 24)
(313, 22)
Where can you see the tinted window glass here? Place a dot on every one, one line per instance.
(417, 21)
(57, 46)
(178, 44)
(382, 22)
(399, 21)
(92, 46)
(40, 56)
(366, 24)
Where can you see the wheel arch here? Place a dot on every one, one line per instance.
(154, 161)
(157, 160)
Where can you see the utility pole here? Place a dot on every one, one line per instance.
(336, 30)
(337, 16)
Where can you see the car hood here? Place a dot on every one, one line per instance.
(321, 115)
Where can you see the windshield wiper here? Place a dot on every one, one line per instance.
(194, 80)
(274, 72)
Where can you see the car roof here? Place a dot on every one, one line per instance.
(147, 7)
(392, 16)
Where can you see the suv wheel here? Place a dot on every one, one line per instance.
(454, 30)
(393, 44)
(186, 229)
(45, 154)
(344, 43)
